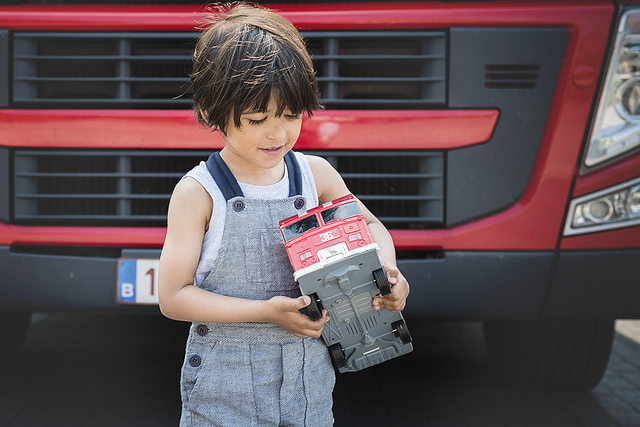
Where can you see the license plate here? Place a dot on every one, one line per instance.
(137, 281)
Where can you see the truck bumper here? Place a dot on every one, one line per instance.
(525, 285)
(44, 282)
(455, 285)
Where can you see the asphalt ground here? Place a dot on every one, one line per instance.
(107, 370)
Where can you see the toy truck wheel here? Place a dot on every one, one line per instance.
(314, 309)
(401, 331)
(337, 355)
(380, 276)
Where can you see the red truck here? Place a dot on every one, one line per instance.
(499, 141)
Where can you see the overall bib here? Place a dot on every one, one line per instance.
(254, 374)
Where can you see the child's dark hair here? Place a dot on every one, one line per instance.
(246, 58)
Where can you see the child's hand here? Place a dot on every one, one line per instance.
(397, 299)
(287, 316)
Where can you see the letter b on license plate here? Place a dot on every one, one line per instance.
(137, 281)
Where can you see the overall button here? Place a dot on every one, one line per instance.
(299, 203)
(195, 361)
(202, 330)
(238, 205)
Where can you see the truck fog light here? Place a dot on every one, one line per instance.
(611, 208)
(633, 202)
(598, 211)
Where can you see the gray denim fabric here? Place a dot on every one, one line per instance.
(254, 374)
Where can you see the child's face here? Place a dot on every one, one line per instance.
(263, 139)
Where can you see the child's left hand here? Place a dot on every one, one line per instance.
(397, 299)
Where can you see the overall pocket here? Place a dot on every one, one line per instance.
(271, 265)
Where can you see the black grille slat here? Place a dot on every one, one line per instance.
(355, 69)
(512, 76)
(132, 188)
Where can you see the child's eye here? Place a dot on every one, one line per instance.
(292, 116)
(256, 122)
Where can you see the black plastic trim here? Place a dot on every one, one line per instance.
(596, 284)
(5, 186)
(39, 282)
(453, 286)
(5, 80)
(488, 178)
(477, 285)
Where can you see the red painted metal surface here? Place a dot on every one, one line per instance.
(170, 129)
(534, 222)
(82, 236)
(623, 238)
(349, 16)
(608, 176)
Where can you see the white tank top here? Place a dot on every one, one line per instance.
(280, 190)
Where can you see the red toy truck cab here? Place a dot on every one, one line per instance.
(338, 227)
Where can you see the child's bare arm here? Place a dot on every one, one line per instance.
(330, 186)
(188, 218)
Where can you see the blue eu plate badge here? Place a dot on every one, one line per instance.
(137, 281)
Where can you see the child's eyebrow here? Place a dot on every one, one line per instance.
(255, 111)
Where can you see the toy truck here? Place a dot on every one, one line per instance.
(337, 264)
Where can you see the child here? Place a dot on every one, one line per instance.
(252, 358)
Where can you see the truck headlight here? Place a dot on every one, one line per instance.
(616, 127)
(611, 208)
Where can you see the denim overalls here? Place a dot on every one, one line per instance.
(254, 374)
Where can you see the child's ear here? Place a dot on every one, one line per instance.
(204, 115)
(205, 118)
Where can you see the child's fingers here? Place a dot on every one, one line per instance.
(303, 301)
(392, 275)
(396, 300)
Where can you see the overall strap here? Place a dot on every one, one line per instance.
(295, 174)
(229, 185)
(223, 177)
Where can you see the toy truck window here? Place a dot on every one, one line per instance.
(343, 211)
(297, 228)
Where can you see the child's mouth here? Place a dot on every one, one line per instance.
(273, 151)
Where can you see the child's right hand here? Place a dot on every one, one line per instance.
(286, 315)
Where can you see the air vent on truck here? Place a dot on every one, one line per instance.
(511, 76)
(356, 69)
(132, 188)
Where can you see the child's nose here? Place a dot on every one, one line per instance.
(279, 130)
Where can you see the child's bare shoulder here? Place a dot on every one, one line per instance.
(190, 197)
(190, 188)
(318, 164)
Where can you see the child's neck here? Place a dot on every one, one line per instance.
(263, 177)
(254, 175)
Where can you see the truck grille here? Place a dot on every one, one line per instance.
(356, 69)
(132, 188)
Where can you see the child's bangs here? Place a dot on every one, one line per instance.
(288, 85)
